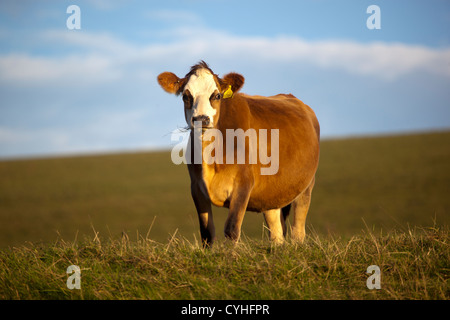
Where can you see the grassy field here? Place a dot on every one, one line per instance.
(128, 221)
(414, 265)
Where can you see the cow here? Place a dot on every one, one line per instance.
(214, 103)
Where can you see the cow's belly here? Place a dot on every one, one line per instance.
(273, 197)
(269, 191)
(265, 195)
(273, 192)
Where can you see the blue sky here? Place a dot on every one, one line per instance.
(94, 89)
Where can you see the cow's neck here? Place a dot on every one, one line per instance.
(201, 157)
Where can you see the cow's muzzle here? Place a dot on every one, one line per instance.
(203, 119)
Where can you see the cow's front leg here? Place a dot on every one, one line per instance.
(238, 206)
(205, 216)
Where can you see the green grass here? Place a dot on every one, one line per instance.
(414, 265)
(381, 200)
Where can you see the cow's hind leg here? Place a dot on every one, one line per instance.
(300, 207)
(274, 221)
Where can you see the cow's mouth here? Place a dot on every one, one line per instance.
(201, 121)
(203, 128)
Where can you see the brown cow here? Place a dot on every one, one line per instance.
(211, 102)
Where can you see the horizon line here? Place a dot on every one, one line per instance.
(156, 149)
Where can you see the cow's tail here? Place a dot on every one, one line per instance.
(284, 214)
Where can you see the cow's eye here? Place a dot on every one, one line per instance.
(217, 96)
(187, 100)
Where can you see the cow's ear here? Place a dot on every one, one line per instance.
(170, 82)
(233, 81)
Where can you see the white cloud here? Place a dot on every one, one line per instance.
(108, 130)
(105, 57)
(74, 70)
(28, 141)
(175, 16)
(100, 42)
(382, 60)
(107, 5)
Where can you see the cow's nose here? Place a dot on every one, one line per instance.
(203, 119)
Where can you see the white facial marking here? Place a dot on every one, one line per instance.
(201, 85)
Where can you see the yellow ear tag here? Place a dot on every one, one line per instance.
(228, 94)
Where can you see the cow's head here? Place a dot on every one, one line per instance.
(202, 92)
